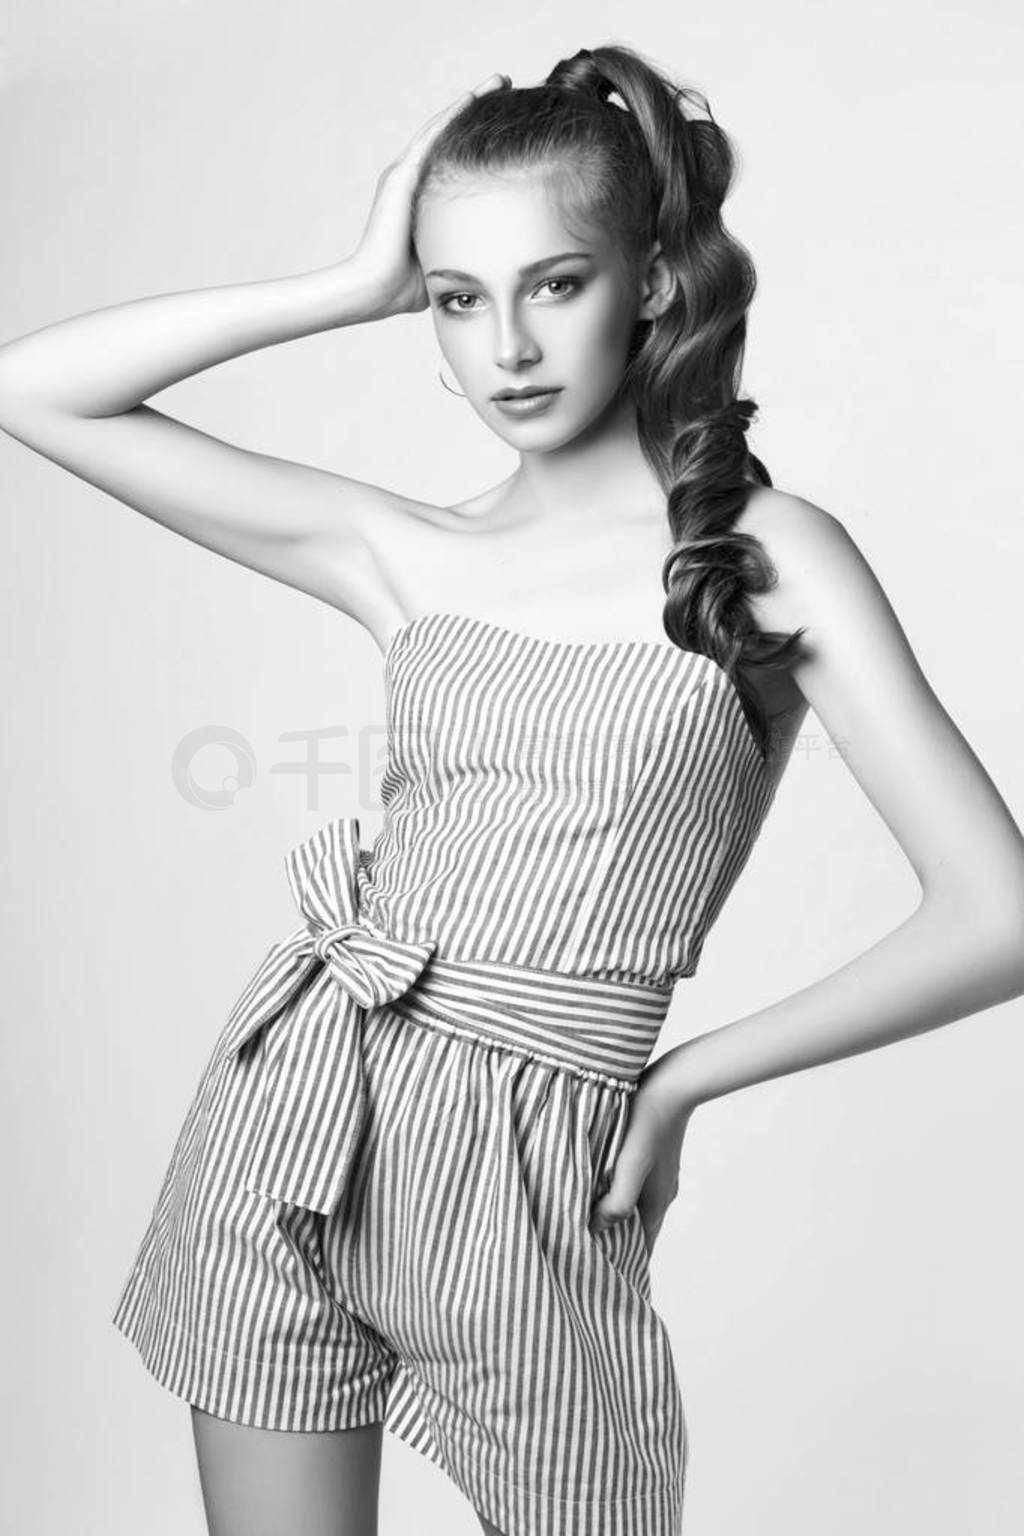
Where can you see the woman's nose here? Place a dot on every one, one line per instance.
(513, 344)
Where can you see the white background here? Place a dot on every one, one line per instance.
(841, 1272)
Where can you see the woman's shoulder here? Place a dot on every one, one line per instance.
(783, 516)
(803, 542)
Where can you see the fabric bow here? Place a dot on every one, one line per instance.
(314, 1099)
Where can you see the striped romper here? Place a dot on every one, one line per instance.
(377, 1206)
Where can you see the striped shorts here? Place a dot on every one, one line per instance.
(455, 1291)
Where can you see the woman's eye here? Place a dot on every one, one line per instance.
(445, 302)
(572, 282)
(450, 306)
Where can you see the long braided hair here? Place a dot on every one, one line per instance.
(657, 168)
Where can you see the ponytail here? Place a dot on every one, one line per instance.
(656, 167)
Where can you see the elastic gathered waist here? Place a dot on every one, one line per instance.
(594, 1028)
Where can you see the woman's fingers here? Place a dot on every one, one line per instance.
(490, 83)
(493, 82)
(422, 140)
(439, 118)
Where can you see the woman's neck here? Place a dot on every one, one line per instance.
(601, 477)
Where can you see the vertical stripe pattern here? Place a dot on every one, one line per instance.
(579, 807)
(377, 1206)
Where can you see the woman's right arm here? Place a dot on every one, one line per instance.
(73, 392)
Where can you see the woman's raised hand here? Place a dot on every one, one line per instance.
(385, 256)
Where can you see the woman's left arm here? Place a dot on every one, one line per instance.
(962, 948)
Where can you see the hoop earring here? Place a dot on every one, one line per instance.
(448, 387)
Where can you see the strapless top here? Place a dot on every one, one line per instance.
(581, 807)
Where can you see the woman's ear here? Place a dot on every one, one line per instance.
(657, 287)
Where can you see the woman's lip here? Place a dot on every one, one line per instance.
(526, 405)
(526, 394)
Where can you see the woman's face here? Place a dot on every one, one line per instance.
(519, 302)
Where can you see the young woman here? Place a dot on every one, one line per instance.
(428, 1160)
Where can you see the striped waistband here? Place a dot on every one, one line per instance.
(303, 1011)
(594, 1028)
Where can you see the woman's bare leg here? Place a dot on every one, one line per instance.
(274, 1482)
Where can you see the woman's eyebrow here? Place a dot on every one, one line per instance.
(530, 270)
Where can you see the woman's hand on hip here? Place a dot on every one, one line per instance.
(385, 254)
(646, 1171)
